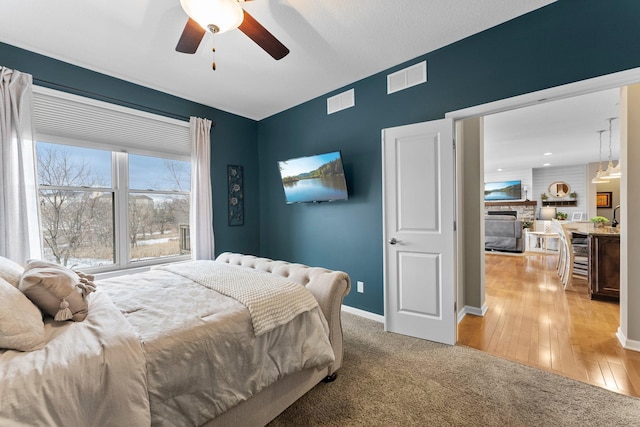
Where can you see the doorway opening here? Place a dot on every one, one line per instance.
(477, 290)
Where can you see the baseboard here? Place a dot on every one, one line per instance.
(627, 343)
(471, 310)
(378, 318)
(362, 313)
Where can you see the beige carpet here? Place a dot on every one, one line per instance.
(393, 380)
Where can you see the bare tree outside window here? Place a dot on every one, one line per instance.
(74, 217)
(158, 206)
(78, 202)
(178, 175)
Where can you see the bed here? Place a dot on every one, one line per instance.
(175, 346)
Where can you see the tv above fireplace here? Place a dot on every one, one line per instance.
(503, 190)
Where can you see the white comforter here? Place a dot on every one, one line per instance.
(90, 373)
(272, 300)
(201, 353)
(156, 348)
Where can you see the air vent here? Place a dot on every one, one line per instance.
(341, 101)
(406, 78)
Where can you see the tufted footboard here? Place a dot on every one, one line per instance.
(327, 286)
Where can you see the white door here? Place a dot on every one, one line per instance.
(418, 206)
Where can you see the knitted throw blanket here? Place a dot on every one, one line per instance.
(271, 300)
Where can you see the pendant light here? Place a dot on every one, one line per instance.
(599, 178)
(612, 172)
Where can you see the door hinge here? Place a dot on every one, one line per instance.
(455, 226)
(455, 306)
(454, 144)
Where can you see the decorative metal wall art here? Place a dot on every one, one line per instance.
(235, 195)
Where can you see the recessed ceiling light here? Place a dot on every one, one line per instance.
(547, 164)
(548, 154)
(499, 169)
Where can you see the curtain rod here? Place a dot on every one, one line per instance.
(52, 85)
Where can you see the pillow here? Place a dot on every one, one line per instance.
(21, 326)
(10, 271)
(57, 290)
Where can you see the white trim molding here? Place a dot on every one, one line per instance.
(596, 84)
(472, 310)
(627, 343)
(367, 315)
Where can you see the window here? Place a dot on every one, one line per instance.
(114, 183)
(104, 210)
(158, 202)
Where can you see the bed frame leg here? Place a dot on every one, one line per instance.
(330, 378)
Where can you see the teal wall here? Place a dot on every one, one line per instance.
(234, 138)
(567, 41)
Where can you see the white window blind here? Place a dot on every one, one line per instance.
(83, 121)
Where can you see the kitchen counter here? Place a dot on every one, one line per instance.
(604, 258)
(589, 228)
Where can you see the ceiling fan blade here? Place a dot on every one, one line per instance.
(190, 38)
(263, 38)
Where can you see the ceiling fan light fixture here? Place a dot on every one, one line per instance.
(214, 15)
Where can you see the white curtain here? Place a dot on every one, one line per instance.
(19, 224)
(201, 228)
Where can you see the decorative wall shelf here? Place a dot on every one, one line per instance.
(511, 203)
(560, 203)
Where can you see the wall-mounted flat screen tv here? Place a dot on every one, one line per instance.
(503, 190)
(318, 178)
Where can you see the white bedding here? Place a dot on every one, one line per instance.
(155, 349)
(271, 300)
(90, 373)
(202, 355)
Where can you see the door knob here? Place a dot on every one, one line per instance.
(393, 241)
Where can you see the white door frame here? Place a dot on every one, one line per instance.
(583, 87)
(609, 81)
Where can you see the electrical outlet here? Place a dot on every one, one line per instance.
(360, 287)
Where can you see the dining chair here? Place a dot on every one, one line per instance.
(556, 227)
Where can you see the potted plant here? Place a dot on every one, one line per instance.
(527, 224)
(561, 215)
(544, 196)
(573, 195)
(599, 221)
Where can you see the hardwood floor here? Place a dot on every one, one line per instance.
(532, 320)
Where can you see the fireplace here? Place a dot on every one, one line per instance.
(525, 210)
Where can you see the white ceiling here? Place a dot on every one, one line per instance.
(332, 42)
(518, 139)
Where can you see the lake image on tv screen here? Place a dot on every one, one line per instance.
(506, 190)
(313, 179)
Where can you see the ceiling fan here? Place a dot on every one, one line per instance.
(218, 16)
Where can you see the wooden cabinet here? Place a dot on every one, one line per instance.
(604, 266)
